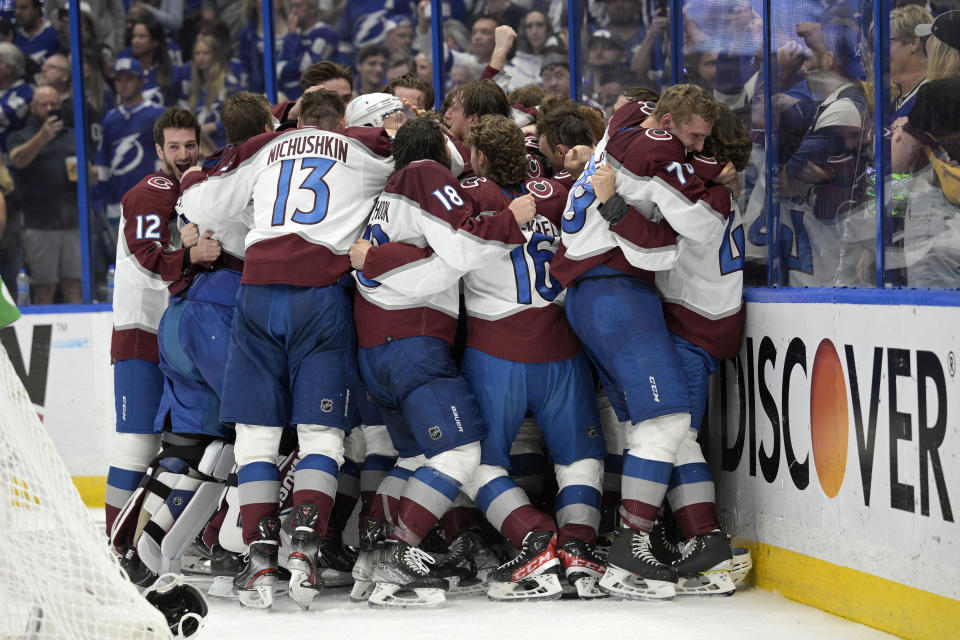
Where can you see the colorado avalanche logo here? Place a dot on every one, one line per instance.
(647, 107)
(658, 134)
(160, 182)
(472, 183)
(534, 170)
(704, 159)
(540, 188)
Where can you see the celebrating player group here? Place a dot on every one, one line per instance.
(489, 331)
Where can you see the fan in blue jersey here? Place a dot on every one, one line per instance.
(15, 94)
(149, 46)
(36, 37)
(308, 40)
(125, 156)
(203, 85)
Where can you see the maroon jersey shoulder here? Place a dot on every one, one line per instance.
(156, 193)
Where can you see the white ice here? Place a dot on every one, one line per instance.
(750, 613)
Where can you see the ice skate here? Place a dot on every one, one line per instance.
(402, 578)
(532, 575)
(582, 567)
(740, 565)
(704, 566)
(200, 561)
(255, 583)
(302, 562)
(665, 542)
(372, 538)
(335, 562)
(466, 565)
(634, 573)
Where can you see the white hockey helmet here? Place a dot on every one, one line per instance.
(369, 110)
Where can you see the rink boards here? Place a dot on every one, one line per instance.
(835, 445)
(856, 515)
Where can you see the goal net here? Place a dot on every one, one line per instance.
(58, 577)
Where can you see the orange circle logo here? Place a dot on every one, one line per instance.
(829, 424)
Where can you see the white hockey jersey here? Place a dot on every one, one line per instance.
(312, 192)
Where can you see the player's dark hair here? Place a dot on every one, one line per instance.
(484, 97)
(530, 95)
(641, 94)
(728, 141)
(244, 116)
(322, 108)
(421, 138)
(502, 143)
(413, 81)
(322, 71)
(566, 126)
(175, 118)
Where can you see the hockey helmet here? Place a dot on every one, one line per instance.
(369, 110)
(183, 605)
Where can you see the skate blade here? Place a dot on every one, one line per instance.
(588, 589)
(222, 587)
(542, 587)
(196, 566)
(740, 565)
(714, 582)
(260, 597)
(361, 590)
(300, 589)
(386, 595)
(466, 586)
(620, 583)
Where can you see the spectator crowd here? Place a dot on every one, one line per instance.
(141, 57)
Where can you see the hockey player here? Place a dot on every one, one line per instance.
(293, 337)
(628, 341)
(703, 308)
(405, 338)
(147, 262)
(522, 355)
(193, 337)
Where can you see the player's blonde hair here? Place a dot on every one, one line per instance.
(683, 101)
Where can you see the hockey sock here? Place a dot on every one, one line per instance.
(506, 506)
(578, 500)
(348, 491)
(652, 447)
(691, 494)
(462, 516)
(132, 454)
(258, 485)
(426, 497)
(375, 469)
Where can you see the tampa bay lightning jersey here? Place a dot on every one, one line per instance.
(14, 108)
(127, 151)
(41, 46)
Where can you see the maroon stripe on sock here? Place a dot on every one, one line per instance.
(211, 533)
(696, 519)
(638, 515)
(460, 519)
(111, 514)
(322, 501)
(251, 514)
(523, 520)
(413, 522)
(572, 531)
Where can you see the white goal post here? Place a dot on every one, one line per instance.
(58, 577)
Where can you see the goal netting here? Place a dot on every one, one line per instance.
(58, 577)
